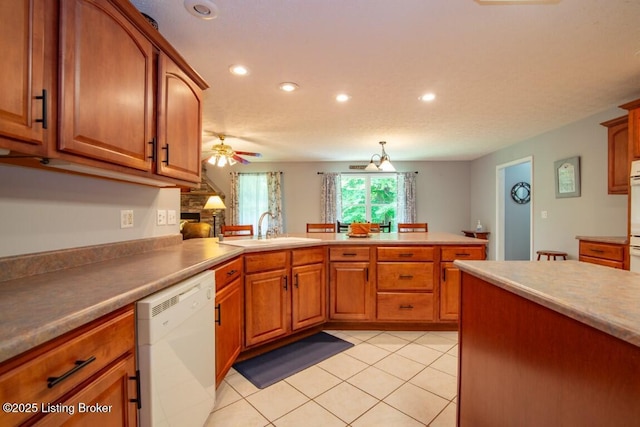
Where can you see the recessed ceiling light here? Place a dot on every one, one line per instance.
(289, 86)
(343, 97)
(203, 9)
(428, 97)
(238, 70)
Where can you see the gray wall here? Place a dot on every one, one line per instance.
(517, 216)
(42, 210)
(594, 213)
(442, 200)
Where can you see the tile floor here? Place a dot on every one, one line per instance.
(392, 378)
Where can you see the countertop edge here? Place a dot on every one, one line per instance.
(608, 326)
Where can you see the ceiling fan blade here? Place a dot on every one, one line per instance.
(248, 153)
(240, 159)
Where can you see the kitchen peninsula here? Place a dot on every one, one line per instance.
(548, 343)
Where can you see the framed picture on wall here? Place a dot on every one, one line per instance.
(567, 177)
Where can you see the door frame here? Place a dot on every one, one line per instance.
(500, 207)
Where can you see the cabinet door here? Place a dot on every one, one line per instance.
(22, 43)
(449, 292)
(179, 123)
(309, 293)
(111, 391)
(266, 306)
(106, 85)
(350, 290)
(228, 327)
(618, 155)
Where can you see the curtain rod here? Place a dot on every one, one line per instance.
(359, 173)
(255, 173)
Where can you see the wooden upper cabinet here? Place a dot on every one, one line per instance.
(26, 73)
(106, 78)
(618, 155)
(179, 123)
(634, 128)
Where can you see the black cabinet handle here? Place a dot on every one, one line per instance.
(406, 276)
(348, 254)
(406, 307)
(295, 280)
(137, 399)
(54, 381)
(219, 319)
(366, 270)
(231, 272)
(166, 160)
(153, 150)
(43, 120)
(405, 255)
(463, 254)
(286, 283)
(598, 251)
(444, 274)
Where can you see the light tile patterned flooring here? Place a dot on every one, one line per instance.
(391, 378)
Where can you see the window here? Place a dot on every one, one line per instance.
(371, 198)
(255, 193)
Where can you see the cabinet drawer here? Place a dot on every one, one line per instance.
(405, 306)
(405, 276)
(405, 253)
(100, 343)
(228, 272)
(602, 250)
(307, 256)
(451, 253)
(349, 253)
(265, 261)
(601, 261)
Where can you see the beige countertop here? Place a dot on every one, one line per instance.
(605, 298)
(618, 240)
(39, 307)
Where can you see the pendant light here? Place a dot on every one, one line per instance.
(384, 164)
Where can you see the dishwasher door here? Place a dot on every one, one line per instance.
(176, 353)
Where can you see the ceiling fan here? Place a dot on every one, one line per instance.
(222, 154)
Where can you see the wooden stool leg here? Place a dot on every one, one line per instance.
(538, 257)
(549, 257)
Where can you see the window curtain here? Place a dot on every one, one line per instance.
(255, 193)
(331, 197)
(406, 211)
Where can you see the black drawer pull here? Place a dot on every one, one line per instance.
(43, 120)
(405, 276)
(219, 319)
(463, 254)
(406, 255)
(166, 160)
(598, 251)
(54, 381)
(348, 254)
(231, 272)
(406, 307)
(153, 150)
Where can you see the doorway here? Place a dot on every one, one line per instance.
(514, 225)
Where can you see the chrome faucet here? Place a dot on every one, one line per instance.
(260, 224)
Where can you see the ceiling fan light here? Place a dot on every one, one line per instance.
(232, 161)
(222, 161)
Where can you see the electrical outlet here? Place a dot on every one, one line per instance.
(161, 219)
(126, 218)
(172, 217)
(543, 214)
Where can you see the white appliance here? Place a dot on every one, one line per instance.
(634, 241)
(176, 353)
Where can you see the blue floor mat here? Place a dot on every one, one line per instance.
(283, 362)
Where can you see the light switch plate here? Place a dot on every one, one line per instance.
(162, 217)
(172, 217)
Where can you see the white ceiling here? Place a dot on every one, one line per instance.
(501, 73)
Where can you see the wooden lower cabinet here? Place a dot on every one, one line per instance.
(309, 294)
(266, 306)
(449, 309)
(285, 291)
(228, 327)
(602, 253)
(50, 375)
(350, 291)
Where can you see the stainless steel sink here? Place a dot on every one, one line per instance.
(276, 241)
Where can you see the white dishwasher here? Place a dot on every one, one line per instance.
(176, 353)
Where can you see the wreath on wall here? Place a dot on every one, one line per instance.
(521, 193)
